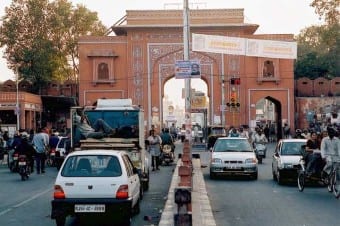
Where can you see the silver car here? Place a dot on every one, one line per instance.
(233, 156)
(286, 158)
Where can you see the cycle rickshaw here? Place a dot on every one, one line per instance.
(332, 181)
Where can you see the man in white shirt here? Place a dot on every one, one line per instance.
(330, 148)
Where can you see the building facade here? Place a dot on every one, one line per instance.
(141, 57)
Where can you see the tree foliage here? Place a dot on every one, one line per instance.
(319, 46)
(40, 38)
(329, 9)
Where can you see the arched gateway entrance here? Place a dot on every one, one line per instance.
(141, 58)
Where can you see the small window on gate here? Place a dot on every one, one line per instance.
(103, 71)
(268, 69)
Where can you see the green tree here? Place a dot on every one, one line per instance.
(329, 9)
(40, 38)
(319, 46)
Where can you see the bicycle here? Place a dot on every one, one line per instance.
(317, 177)
(334, 177)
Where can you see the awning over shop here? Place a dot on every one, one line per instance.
(58, 102)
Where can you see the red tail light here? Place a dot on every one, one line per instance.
(58, 192)
(123, 192)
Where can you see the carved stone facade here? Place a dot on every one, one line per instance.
(149, 42)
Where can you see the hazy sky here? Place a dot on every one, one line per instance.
(273, 16)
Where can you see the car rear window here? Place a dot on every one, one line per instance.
(92, 166)
(232, 145)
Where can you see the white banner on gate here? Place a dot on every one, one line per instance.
(243, 46)
(218, 44)
(271, 49)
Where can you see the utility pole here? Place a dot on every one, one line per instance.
(186, 33)
(17, 108)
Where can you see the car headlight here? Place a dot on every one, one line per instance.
(216, 160)
(252, 160)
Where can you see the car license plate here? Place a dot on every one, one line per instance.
(89, 208)
(261, 153)
(52, 154)
(15, 158)
(233, 167)
(22, 163)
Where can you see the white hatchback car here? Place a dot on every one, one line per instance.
(100, 183)
(286, 159)
(233, 156)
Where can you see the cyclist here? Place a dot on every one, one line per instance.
(330, 147)
(312, 158)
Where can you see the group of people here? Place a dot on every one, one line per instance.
(35, 145)
(155, 143)
(329, 145)
(256, 136)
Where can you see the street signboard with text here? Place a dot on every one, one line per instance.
(187, 69)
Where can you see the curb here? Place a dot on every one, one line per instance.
(201, 210)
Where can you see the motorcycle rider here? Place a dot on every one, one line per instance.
(167, 139)
(298, 134)
(260, 137)
(25, 148)
(330, 147)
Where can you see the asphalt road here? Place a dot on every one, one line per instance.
(244, 202)
(28, 202)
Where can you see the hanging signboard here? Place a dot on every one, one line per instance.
(244, 46)
(271, 49)
(187, 69)
(218, 44)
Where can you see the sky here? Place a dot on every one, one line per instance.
(273, 16)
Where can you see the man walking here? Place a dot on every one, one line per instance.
(40, 144)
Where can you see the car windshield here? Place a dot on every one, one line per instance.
(232, 145)
(292, 148)
(92, 166)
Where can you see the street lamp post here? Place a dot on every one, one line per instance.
(17, 108)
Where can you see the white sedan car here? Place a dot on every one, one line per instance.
(95, 183)
(233, 156)
(286, 159)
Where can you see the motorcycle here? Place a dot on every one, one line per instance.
(167, 155)
(51, 161)
(23, 167)
(260, 150)
(13, 162)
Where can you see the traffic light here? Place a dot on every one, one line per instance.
(235, 81)
(233, 97)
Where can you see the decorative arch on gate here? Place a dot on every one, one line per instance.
(162, 64)
(277, 115)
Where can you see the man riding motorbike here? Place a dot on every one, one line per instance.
(260, 139)
(25, 148)
(167, 139)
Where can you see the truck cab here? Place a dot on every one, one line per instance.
(126, 122)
